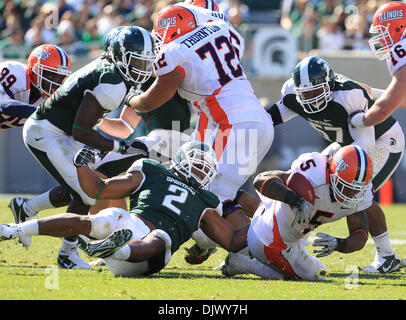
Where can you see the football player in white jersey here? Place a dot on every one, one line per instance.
(326, 100)
(47, 67)
(24, 87)
(199, 61)
(342, 189)
(389, 44)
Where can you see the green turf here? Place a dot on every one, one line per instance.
(32, 274)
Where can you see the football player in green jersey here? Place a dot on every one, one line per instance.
(327, 100)
(167, 206)
(64, 123)
(173, 115)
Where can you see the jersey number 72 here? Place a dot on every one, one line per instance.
(210, 49)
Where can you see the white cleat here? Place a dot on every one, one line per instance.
(16, 206)
(70, 259)
(383, 264)
(10, 231)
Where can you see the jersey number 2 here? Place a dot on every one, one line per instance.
(224, 78)
(179, 198)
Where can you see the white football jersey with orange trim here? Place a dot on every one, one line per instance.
(314, 167)
(397, 57)
(210, 66)
(14, 78)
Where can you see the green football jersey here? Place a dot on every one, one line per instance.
(168, 202)
(332, 122)
(172, 115)
(100, 77)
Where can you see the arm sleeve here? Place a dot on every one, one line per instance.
(16, 108)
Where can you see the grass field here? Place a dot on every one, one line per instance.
(32, 274)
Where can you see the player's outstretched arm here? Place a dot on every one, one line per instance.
(222, 232)
(113, 188)
(390, 100)
(161, 91)
(358, 228)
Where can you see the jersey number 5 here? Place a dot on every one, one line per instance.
(179, 198)
(219, 42)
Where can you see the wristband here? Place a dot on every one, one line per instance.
(229, 208)
(341, 244)
(129, 126)
(100, 189)
(117, 146)
(358, 120)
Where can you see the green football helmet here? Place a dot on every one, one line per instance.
(314, 84)
(197, 162)
(133, 52)
(108, 39)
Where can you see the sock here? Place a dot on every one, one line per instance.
(30, 227)
(34, 205)
(122, 254)
(246, 265)
(383, 243)
(66, 245)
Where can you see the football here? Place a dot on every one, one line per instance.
(298, 183)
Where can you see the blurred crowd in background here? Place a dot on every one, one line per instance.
(79, 26)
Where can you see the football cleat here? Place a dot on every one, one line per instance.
(196, 255)
(227, 267)
(10, 231)
(386, 264)
(16, 206)
(106, 247)
(70, 259)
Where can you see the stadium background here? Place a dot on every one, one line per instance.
(278, 33)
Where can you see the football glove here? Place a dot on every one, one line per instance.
(131, 93)
(328, 243)
(303, 212)
(83, 157)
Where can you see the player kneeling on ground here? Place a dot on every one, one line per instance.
(317, 189)
(166, 207)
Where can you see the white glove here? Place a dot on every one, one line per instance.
(303, 212)
(328, 243)
(357, 120)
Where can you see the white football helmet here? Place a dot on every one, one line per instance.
(197, 162)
